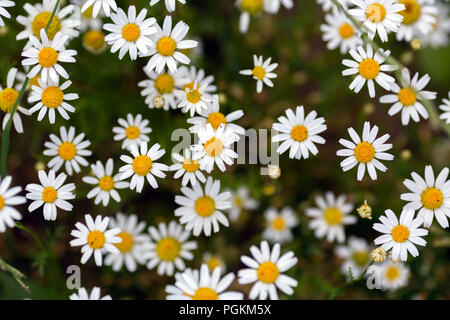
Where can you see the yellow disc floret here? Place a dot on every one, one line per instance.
(216, 119)
(168, 249)
(213, 147)
(205, 206)
(49, 194)
(252, 6)
(131, 32)
(127, 242)
(346, 30)
(8, 98)
(166, 46)
(213, 263)
(142, 165)
(67, 151)
(47, 57)
(52, 97)
(432, 198)
(369, 69)
(392, 273)
(2, 202)
(259, 72)
(190, 165)
(132, 132)
(375, 12)
(205, 293)
(193, 96)
(407, 97)
(96, 239)
(94, 40)
(400, 233)
(40, 21)
(164, 83)
(364, 152)
(106, 183)
(361, 258)
(412, 11)
(278, 223)
(299, 133)
(268, 272)
(333, 216)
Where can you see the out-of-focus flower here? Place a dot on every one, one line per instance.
(394, 275)
(94, 41)
(445, 107)
(214, 261)
(241, 200)
(170, 4)
(279, 225)
(8, 199)
(96, 5)
(5, 4)
(262, 72)
(356, 256)
(419, 17)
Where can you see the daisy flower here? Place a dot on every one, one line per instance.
(273, 6)
(170, 4)
(279, 225)
(94, 41)
(132, 242)
(5, 4)
(438, 37)
(369, 67)
(214, 261)
(168, 247)
(82, 294)
(95, 238)
(378, 16)
(445, 107)
(44, 55)
(265, 270)
(132, 131)
(51, 193)
(394, 275)
(187, 168)
(407, 99)
(330, 217)
(402, 235)
(328, 5)
(142, 166)
(356, 256)
(87, 19)
(192, 75)
(202, 208)
(202, 285)
(419, 19)
(250, 8)
(241, 200)
(8, 98)
(340, 32)
(194, 99)
(68, 150)
(105, 183)
(262, 72)
(130, 33)
(214, 147)
(365, 152)
(8, 199)
(166, 45)
(50, 96)
(299, 133)
(94, 6)
(431, 195)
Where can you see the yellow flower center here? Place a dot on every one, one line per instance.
(346, 31)
(164, 83)
(131, 32)
(40, 21)
(52, 97)
(375, 12)
(106, 183)
(96, 239)
(193, 96)
(127, 242)
(213, 147)
(216, 119)
(168, 249)
(205, 294)
(369, 68)
(364, 152)
(407, 97)
(47, 57)
(259, 72)
(205, 206)
(67, 151)
(299, 133)
(268, 272)
(88, 12)
(252, 6)
(238, 201)
(2, 202)
(132, 132)
(392, 273)
(142, 165)
(190, 86)
(400, 233)
(94, 39)
(213, 263)
(278, 223)
(49, 194)
(166, 46)
(361, 258)
(333, 216)
(432, 198)
(190, 165)
(8, 98)
(412, 11)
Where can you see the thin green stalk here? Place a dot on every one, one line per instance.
(336, 290)
(32, 234)
(16, 274)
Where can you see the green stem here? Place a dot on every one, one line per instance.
(16, 274)
(32, 234)
(336, 290)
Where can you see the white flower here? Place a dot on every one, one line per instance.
(168, 247)
(407, 99)
(430, 195)
(82, 294)
(87, 20)
(166, 43)
(132, 242)
(273, 6)
(142, 166)
(8, 199)
(202, 209)
(250, 8)
(241, 200)
(194, 99)
(438, 37)
(328, 5)
(5, 4)
(262, 72)
(400, 236)
(192, 74)
(132, 131)
(356, 256)
(214, 261)
(68, 150)
(419, 19)
(265, 269)
(279, 225)
(369, 67)
(365, 152)
(394, 275)
(330, 217)
(187, 168)
(44, 56)
(96, 5)
(170, 4)
(299, 133)
(105, 183)
(202, 285)
(130, 33)
(445, 107)
(51, 193)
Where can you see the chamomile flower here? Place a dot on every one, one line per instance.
(299, 133)
(187, 168)
(82, 294)
(170, 4)
(378, 16)
(5, 4)
(241, 200)
(143, 166)
(68, 150)
(250, 8)
(94, 237)
(50, 96)
(51, 193)
(192, 74)
(262, 72)
(96, 5)
(214, 147)
(44, 55)
(166, 46)
(328, 5)
(130, 33)
(431, 196)
(365, 152)
(168, 248)
(445, 107)
(439, 36)
(402, 235)
(132, 131)
(8, 98)
(265, 270)
(356, 256)
(8, 199)
(279, 225)
(194, 99)
(201, 208)
(94, 41)
(419, 17)
(202, 285)
(407, 98)
(87, 19)
(273, 6)
(369, 67)
(394, 275)
(330, 217)
(105, 183)
(214, 261)
(132, 245)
